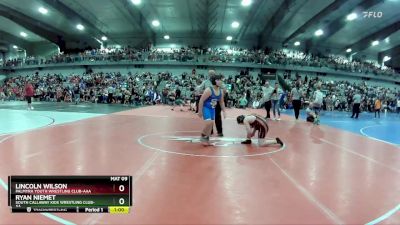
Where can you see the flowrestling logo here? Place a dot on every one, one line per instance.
(188, 143)
(373, 14)
(215, 141)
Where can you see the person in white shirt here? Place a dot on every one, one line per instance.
(318, 98)
(318, 101)
(398, 105)
(356, 104)
(275, 101)
(110, 94)
(296, 95)
(311, 116)
(267, 94)
(2, 95)
(256, 104)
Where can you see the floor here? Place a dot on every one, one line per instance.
(344, 171)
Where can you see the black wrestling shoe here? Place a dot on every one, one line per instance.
(204, 140)
(279, 141)
(220, 135)
(246, 142)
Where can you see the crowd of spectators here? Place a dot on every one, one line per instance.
(164, 88)
(297, 58)
(135, 89)
(266, 57)
(339, 94)
(111, 55)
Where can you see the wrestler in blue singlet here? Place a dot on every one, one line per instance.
(209, 105)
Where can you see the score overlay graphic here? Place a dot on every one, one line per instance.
(70, 194)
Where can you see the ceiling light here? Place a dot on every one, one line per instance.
(351, 16)
(98, 41)
(319, 32)
(43, 10)
(386, 58)
(136, 2)
(80, 27)
(104, 38)
(14, 46)
(23, 34)
(387, 40)
(375, 43)
(235, 24)
(156, 23)
(246, 2)
(297, 43)
(166, 37)
(229, 38)
(348, 50)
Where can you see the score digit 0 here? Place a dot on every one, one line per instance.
(121, 188)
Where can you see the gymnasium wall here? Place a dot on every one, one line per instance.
(45, 49)
(2, 77)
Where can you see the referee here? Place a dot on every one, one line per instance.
(218, 119)
(356, 104)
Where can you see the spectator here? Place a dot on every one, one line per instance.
(356, 105)
(378, 106)
(110, 92)
(318, 99)
(398, 104)
(29, 93)
(2, 95)
(243, 102)
(296, 99)
(275, 101)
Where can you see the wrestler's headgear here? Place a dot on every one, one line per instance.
(213, 79)
(240, 119)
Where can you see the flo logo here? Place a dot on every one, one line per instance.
(373, 14)
(215, 141)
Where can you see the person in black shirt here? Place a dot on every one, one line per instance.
(177, 93)
(77, 94)
(218, 118)
(178, 100)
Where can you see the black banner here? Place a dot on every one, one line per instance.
(61, 210)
